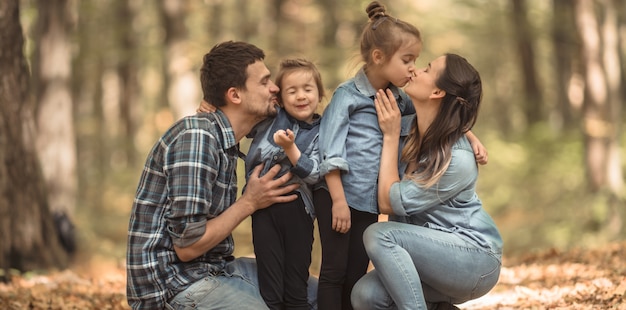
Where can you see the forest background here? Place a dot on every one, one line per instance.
(97, 82)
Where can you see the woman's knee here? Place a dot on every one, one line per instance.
(370, 293)
(375, 236)
(360, 295)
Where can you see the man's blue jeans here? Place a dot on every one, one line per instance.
(235, 288)
(415, 264)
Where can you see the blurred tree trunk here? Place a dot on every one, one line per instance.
(127, 72)
(602, 108)
(525, 48)
(566, 47)
(56, 141)
(215, 22)
(278, 44)
(87, 87)
(332, 53)
(28, 239)
(180, 80)
(248, 28)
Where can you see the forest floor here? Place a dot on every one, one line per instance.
(573, 279)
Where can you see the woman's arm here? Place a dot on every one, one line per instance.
(389, 120)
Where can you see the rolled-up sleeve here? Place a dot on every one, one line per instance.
(334, 131)
(191, 172)
(308, 167)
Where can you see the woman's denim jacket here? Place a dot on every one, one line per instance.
(264, 150)
(450, 205)
(351, 140)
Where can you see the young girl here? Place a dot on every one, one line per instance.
(350, 146)
(282, 234)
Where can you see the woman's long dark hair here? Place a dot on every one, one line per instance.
(457, 115)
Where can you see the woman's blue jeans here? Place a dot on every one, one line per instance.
(415, 264)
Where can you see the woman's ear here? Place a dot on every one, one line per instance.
(438, 93)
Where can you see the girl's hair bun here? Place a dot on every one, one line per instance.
(375, 10)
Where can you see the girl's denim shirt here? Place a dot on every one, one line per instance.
(351, 140)
(451, 205)
(263, 149)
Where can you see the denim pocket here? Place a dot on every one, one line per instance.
(487, 281)
(193, 295)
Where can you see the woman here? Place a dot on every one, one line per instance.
(440, 247)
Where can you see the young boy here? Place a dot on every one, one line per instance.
(283, 233)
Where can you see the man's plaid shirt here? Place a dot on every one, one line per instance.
(189, 178)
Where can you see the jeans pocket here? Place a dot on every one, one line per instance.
(193, 295)
(487, 281)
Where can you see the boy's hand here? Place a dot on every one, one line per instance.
(284, 138)
(480, 152)
(206, 107)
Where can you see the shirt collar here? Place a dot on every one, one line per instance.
(228, 135)
(315, 122)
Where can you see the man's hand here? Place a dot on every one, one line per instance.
(264, 191)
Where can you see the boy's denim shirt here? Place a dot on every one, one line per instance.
(351, 140)
(451, 205)
(263, 149)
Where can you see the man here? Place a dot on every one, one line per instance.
(180, 244)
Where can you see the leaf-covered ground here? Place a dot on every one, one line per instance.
(576, 279)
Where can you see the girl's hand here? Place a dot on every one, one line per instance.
(284, 138)
(341, 217)
(389, 118)
(206, 107)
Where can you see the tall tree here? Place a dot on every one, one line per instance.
(602, 108)
(566, 47)
(180, 79)
(28, 238)
(526, 51)
(91, 130)
(127, 70)
(56, 141)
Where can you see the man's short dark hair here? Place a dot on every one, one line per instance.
(224, 67)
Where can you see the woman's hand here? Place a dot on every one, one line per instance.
(389, 118)
(206, 107)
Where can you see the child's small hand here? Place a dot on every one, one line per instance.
(284, 138)
(206, 107)
(341, 217)
(480, 152)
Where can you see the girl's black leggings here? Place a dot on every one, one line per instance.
(344, 260)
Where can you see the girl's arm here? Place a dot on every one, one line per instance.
(389, 120)
(480, 152)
